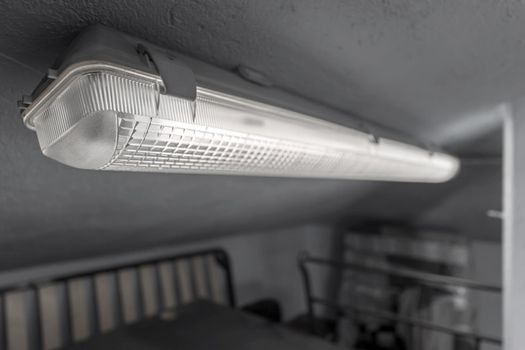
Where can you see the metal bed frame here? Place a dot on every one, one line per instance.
(34, 288)
(423, 278)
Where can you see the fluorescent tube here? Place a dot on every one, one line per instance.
(105, 116)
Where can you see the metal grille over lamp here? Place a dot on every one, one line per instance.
(109, 114)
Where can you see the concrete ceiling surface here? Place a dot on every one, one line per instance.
(436, 70)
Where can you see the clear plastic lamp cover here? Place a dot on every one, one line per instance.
(112, 120)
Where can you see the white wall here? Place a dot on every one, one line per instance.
(266, 264)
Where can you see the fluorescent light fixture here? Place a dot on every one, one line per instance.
(105, 115)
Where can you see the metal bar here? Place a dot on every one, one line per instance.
(3, 329)
(216, 280)
(119, 307)
(419, 276)
(224, 261)
(67, 337)
(199, 277)
(477, 344)
(191, 278)
(158, 288)
(184, 284)
(95, 327)
(410, 321)
(306, 282)
(307, 289)
(175, 283)
(207, 277)
(38, 324)
(141, 309)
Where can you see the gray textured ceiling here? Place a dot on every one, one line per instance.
(436, 70)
